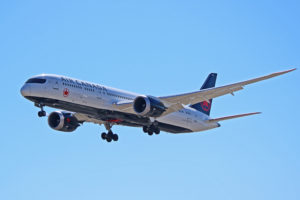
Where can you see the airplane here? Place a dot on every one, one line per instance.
(82, 101)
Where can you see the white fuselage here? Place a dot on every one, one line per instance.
(98, 96)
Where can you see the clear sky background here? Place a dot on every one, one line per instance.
(158, 48)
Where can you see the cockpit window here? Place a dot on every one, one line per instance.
(36, 80)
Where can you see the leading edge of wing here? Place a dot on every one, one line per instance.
(206, 94)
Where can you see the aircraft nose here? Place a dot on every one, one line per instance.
(25, 90)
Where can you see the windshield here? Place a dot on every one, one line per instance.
(36, 80)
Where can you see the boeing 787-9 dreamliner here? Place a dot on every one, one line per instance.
(83, 101)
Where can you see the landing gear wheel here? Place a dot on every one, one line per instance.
(157, 131)
(109, 136)
(108, 139)
(115, 137)
(103, 136)
(150, 132)
(145, 129)
(41, 113)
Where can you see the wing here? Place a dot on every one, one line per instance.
(177, 102)
(86, 118)
(124, 106)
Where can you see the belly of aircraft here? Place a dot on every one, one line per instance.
(119, 118)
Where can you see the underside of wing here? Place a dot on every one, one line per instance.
(124, 106)
(86, 118)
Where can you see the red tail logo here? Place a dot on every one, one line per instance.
(205, 106)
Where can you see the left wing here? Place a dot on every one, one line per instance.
(177, 102)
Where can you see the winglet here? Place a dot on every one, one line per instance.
(232, 117)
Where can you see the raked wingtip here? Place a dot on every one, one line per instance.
(290, 70)
(293, 69)
(284, 72)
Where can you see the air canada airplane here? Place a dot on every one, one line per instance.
(82, 101)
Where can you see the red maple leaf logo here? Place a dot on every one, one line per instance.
(205, 106)
(66, 92)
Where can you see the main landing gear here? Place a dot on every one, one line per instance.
(109, 136)
(41, 113)
(151, 129)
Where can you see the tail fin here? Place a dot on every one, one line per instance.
(205, 106)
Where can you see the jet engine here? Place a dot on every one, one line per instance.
(63, 121)
(148, 106)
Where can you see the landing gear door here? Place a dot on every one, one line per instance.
(189, 121)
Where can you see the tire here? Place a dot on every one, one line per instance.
(40, 114)
(157, 131)
(145, 129)
(103, 136)
(115, 137)
(150, 132)
(108, 139)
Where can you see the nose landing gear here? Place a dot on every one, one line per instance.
(41, 113)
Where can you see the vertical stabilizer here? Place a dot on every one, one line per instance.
(205, 106)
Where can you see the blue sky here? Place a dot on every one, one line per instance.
(157, 48)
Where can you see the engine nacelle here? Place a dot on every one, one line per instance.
(62, 121)
(148, 106)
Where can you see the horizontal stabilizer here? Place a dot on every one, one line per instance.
(232, 117)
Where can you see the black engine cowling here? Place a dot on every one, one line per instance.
(62, 121)
(148, 106)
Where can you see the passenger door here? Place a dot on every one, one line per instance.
(55, 85)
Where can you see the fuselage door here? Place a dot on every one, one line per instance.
(55, 85)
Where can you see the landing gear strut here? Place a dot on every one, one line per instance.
(41, 113)
(109, 136)
(151, 129)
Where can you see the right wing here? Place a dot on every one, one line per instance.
(86, 118)
(124, 106)
(177, 102)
